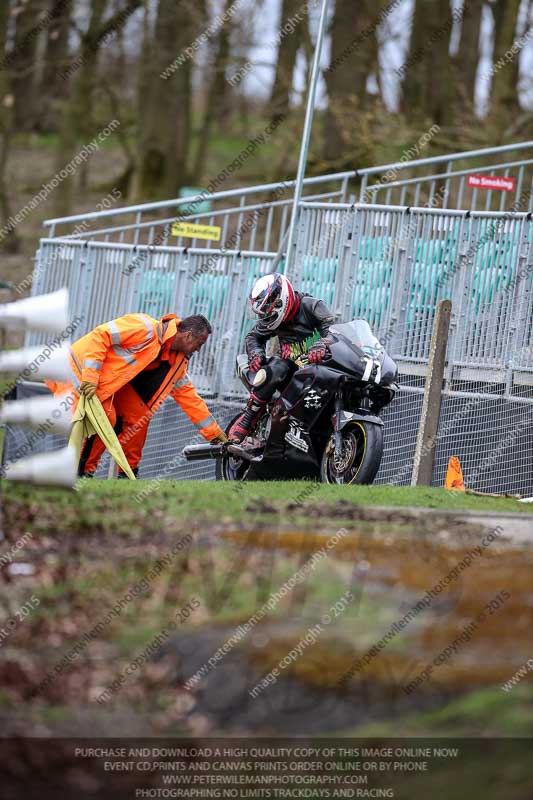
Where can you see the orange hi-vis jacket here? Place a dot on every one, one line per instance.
(113, 353)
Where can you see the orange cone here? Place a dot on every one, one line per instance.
(454, 475)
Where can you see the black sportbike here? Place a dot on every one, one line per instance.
(323, 423)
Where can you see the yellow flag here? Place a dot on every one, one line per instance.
(89, 419)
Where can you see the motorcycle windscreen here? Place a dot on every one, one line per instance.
(359, 333)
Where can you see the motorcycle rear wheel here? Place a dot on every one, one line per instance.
(361, 455)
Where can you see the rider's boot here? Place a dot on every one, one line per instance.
(242, 426)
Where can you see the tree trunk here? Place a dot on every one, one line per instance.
(504, 95)
(8, 240)
(165, 112)
(353, 58)
(77, 119)
(119, 62)
(85, 85)
(53, 88)
(77, 122)
(290, 38)
(143, 85)
(145, 58)
(24, 63)
(464, 130)
(426, 88)
(468, 53)
(215, 97)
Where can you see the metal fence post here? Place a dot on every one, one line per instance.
(405, 253)
(459, 289)
(429, 418)
(398, 254)
(306, 135)
(352, 262)
(523, 294)
(344, 279)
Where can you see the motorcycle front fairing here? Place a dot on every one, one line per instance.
(356, 350)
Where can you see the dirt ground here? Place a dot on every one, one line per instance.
(252, 617)
(384, 562)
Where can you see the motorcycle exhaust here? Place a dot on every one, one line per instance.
(202, 452)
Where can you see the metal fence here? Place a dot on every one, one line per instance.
(391, 266)
(388, 264)
(251, 218)
(257, 218)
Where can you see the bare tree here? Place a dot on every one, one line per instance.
(84, 85)
(56, 57)
(10, 242)
(23, 62)
(426, 85)
(164, 118)
(291, 35)
(216, 96)
(353, 59)
(462, 130)
(504, 93)
(467, 60)
(78, 124)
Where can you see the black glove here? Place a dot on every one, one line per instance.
(317, 352)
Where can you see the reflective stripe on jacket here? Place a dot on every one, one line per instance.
(115, 352)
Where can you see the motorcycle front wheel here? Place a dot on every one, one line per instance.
(362, 449)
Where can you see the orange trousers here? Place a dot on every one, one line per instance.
(135, 416)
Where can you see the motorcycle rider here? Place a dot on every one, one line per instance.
(301, 323)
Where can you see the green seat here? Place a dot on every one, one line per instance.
(156, 292)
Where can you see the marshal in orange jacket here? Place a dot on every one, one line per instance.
(115, 352)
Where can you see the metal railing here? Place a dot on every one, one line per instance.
(251, 218)
(447, 184)
(258, 217)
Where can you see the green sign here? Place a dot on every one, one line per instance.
(202, 207)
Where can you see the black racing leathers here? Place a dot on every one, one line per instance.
(311, 322)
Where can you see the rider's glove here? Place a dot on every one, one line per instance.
(255, 360)
(285, 350)
(317, 351)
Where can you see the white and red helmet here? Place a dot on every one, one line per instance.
(273, 300)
